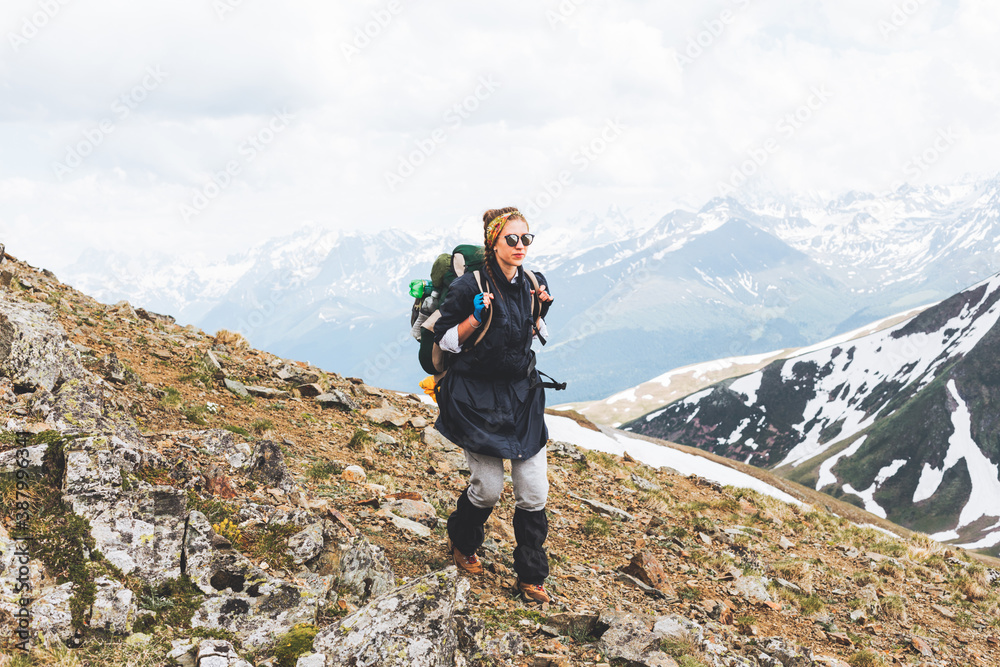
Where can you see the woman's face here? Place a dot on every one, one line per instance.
(507, 256)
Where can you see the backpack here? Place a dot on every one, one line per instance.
(426, 309)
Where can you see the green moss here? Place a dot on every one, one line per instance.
(597, 526)
(237, 430)
(175, 602)
(215, 511)
(360, 440)
(295, 643)
(171, 398)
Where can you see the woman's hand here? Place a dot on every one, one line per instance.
(480, 303)
(543, 294)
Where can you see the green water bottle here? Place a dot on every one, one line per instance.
(421, 288)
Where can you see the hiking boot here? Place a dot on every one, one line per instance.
(468, 564)
(533, 592)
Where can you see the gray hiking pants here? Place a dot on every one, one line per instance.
(531, 481)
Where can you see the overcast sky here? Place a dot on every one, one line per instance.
(214, 124)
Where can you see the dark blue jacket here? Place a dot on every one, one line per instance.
(486, 400)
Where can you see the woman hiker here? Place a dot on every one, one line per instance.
(491, 402)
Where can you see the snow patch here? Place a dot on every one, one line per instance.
(567, 430)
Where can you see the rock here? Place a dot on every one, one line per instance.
(648, 570)
(267, 466)
(237, 388)
(10, 461)
(309, 390)
(753, 589)
(141, 530)
(161, 352)
(50, 613)
(242, 598)
(306, 544)
(944, 611)
(551, 660)
(354, 474)
(627, 637)
(113, 371)
(123, 310)
(213, 364)
(183, 652)
(34, 351)
(603, 508)
(788, 654)
(219, 653)
(644, 484)
(922, 646)
(569, 623)
(386, 414)
(384, 438)
(432, 438)
(678, 628)
(645, 588)
(408, 526)
(311, 660)
(785, 543)
(337, 399)
(414, 625)
(414, 510)
(418, 422)
(268, 393)
(565, 450)
(360, 568)
(829, 661)
(218, 483)
(155, 318)
(114, 607)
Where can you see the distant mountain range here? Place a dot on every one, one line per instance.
(902, 422)
(637, 293)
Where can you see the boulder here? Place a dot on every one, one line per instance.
(753, 589)
(361, 569)
(139, 530)
(155, 318)
(219, 653)
(386, 414)
(236, 387)
(268, 393)
(113, 370)
(337, 399)
(306, 544)
(242, 598)
(310, 390)
(626, 638)
(114, 607)
(123, 310)
(414, 510)
(34, 351)
(267, 466)
(415, 625)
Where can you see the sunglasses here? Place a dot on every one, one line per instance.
(512, 239)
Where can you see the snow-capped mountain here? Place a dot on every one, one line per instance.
(902, 422)
(636, 294)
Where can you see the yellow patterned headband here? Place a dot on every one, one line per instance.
(496, 226)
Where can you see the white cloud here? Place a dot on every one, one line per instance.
(557, 86)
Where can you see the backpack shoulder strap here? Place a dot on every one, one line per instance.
(536, 305)
(489, 317)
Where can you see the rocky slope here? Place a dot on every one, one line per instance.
(901, 422)
(189, 500)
